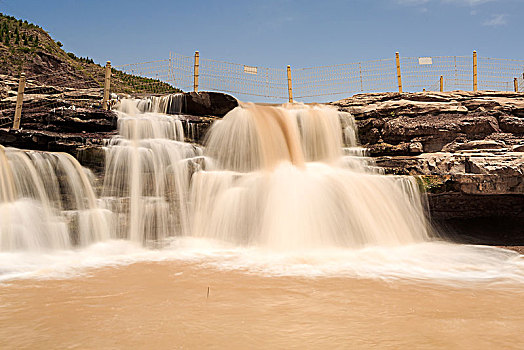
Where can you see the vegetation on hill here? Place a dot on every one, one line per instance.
(26, 47)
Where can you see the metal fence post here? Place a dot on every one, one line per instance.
(107, 86)
(398, 72)
(441, 83)
(516, 84)
(19, 102)
(195, 78)
(475, 85)
(289, 86)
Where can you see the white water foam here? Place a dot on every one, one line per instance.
(430, 262)
(279, 191)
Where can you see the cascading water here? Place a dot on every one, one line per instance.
(275, 176)
(170, 104)
(235, 230)
(148, 169)
(278, 178)
(47, 202)
(274, 183)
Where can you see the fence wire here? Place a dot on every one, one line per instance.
(499, 74)
(424, 73)
(336, 81)
(57, 92)
(370, 76)
(158, 77)
(238, 78)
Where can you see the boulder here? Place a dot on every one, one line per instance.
(208, 103)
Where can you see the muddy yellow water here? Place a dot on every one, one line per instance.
(178, 305)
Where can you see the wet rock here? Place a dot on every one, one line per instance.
(471, 185)
(80, 120)
(495, 164)
(42, 90)
(383, 148)
(92, 157)
(455, 205)
(208, 103)
(42, 140)
(54, 118)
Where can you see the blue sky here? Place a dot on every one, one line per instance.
(276, 33)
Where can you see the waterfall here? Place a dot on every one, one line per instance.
(169, 104)
(285, 178)
(292, 177)
(147, 175)
(47, 202)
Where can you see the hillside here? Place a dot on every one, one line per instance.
(26, 47)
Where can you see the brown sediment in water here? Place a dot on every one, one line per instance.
(254, 196)
(276, 130)
(166, 305)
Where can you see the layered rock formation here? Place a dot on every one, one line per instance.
(467, 149)
(71, 120)
(54, 118)
(413, 123)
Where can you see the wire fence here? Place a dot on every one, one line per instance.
(499, 74)
(238, 78)
(50, 95)
(154, 77)
(84, 87)
(333, 82)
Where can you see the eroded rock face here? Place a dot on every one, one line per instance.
(397, 124)
(49, 140)
(478, 219)
(495, 172)
(57, 119)
(494, 162)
